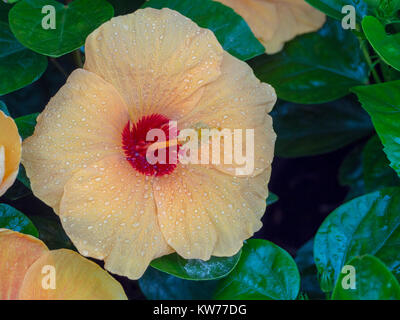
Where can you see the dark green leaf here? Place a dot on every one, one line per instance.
(231, 30)
(351, 173)
(265, 271)
(305, 130)
(122, 7)
(23, 178)
(377, 172)
(74, 23)
(272, 198)
(18, 65)
(308, 271)
(369, 224)
(382, 101)
(387, 46)
(316, 67)
(333, 8)
(195, 269)
(374, 281)
(157, 285)
(26, 125)
(4, 109)
(11, 218)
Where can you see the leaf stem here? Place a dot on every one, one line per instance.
(59, 67)
(371, 65)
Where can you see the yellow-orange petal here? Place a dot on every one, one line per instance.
(275, 22)
(158, 60)
(204, 212)
(238, 100)
(81, 124)
(76, 278)
(17, 253)
(109, 213)
(10, 152)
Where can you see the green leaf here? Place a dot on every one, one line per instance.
(122, 7)
(4, 109)
(305, 130)
(351, 173)
(308, 271)
(387, 46)
(369, 224)
(316, 67)
(74, 23)
(157, 285)
(374, 281)
(333, 8)
(382, 102)
(26, 125)
(11, 218)
(195, 269)
(272, 198)
(23, 178)
(377, 172)
(265, 271)
(18, 65)
(231, 30)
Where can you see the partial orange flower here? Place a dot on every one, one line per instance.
(275, 22)
(87, 159)
(10, 152)
(25, 262)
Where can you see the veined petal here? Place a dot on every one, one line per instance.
(204, 212)
(238, 100)
(81, 124)
(17, 253)
(10, 142)
(76, 278)
(275, 22)
(108, 211)
(159, 60)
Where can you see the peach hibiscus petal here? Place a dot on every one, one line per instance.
(76, 278)
(108, 210)
(17, 253)
(10, 152)
(204, 212)
(81, 124)
(159, 60)
(238, 100)
(275, 22)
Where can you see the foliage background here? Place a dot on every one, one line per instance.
(327, 152)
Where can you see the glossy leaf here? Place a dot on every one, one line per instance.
(304, 130)
(4, 108)
(316, 67)
(264, 272)
(195, 269)
(74, 23)
(11, 218)
(26, 125)
(272, 198)
(369, 224)
(351, 173)
(19, 66)
(382, 102)
(333, 8)
(387, 46)
(231, 30)
(308, 271)
(377, 172)
(373, 281)
(157, 285)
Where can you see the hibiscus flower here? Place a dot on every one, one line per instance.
(27, 268)
(87, 157)
(275, 22)
(10, 152)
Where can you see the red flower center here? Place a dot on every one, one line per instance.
(150, 151)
